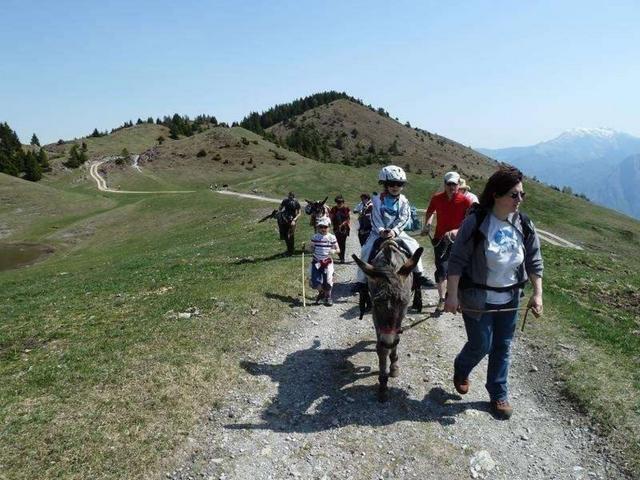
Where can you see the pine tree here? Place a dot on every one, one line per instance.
(32, 169)
(34, 140)
(43, 160)
(76, 157)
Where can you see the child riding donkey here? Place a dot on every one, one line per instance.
(390, 213)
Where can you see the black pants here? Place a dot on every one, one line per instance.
(363, 236)
(441, 250)
(342, 243)
(287, 234)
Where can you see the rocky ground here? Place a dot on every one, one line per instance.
(304, 406)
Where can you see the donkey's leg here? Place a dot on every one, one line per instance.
(383, 376)
(394, 369)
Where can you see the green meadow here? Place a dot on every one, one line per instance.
(101, 377)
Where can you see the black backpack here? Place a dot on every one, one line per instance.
(477, 236)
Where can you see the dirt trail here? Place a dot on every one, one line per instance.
(102, 184)
(305, 407)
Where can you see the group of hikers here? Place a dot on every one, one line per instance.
(485, 251)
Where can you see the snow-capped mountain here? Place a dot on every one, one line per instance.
(580, 158)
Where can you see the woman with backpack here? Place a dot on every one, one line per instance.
(495, 253)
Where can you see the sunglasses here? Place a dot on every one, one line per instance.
(515, 195)
(451, 184)
(395, 184)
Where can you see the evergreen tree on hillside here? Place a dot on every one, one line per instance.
(279, 113)
(10, 151)
(76, 157)
(34, 140)
(43, 160)
(32, 170)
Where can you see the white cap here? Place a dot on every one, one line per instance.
(323, 222)
(452, 177)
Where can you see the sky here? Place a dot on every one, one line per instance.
(484, 73)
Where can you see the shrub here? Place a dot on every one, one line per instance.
(201, 153)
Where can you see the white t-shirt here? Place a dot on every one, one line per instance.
(323, 244)
(504, 254)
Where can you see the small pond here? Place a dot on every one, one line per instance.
(15, 255)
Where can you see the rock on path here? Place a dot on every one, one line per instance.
(304, 406)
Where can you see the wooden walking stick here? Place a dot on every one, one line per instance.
(304, 299)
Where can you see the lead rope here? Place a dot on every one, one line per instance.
(471, 310)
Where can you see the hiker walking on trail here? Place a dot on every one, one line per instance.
(363, 209)
(288, 214)
(466, 191)
(496, 251)
(340, 216)
(450, 208)
(389, 215)
(323, 244)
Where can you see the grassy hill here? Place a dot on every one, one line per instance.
(102, 378)
(359, 135)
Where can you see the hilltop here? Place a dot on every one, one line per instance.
(354, 134)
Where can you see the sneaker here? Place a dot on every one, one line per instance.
(328, 301)
(501, 409)
(461, 385)
(440, 307)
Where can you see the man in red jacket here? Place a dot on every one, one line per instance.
(450, 208)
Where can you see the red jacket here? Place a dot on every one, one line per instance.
(449, 213)
(340, 219)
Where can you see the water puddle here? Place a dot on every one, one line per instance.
(15, 255)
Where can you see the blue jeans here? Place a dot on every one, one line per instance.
(490, 334)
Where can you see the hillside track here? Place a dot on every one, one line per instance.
(548, 237)
(303, 405)
(102, 184)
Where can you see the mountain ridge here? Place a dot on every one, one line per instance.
(580, 159)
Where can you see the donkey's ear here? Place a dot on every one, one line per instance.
(324, 201)
(367, 268)
(410, 264)
(308, 201)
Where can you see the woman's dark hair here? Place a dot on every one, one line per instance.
(339, 198)
(365, 195)
(499, 184)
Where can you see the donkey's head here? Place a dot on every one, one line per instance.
(315, 207)
(389, 278)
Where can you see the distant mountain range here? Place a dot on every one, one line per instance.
(601, 163)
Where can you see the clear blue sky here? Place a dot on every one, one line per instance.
(484, 73)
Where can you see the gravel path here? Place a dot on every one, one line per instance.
(304, 406)
(102, 183)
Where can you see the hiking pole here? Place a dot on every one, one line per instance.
(304, 300)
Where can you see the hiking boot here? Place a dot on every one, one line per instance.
(328, 301)
(461, 385)
(319, 297)
(501, 409)
(440, 307)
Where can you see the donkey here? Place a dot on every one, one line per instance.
(316, 209)
(286, 228)
(389, 278)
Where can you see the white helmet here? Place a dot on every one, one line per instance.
(323, 222)
(391, 173)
